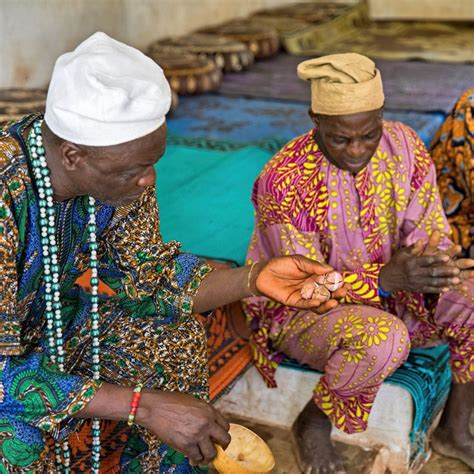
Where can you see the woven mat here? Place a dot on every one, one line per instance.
(408, 85)
(430, 41)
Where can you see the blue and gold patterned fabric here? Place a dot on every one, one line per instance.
(147, 332)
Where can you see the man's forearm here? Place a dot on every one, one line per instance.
(221, 287)
(180, 420)
(110, 402)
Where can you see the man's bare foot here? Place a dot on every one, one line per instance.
(311, 436)
(453, 438)
(458, 447)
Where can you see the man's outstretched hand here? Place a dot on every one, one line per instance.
(282, 278)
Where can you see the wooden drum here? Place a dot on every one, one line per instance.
(187, 73)
(17, 102)
(260, 39)
(228, 54)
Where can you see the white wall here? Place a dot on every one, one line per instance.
(34, 32)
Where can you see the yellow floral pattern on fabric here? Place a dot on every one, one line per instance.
(306, 205)
(349, 326)
(341, 410)
(376, 330)
(354, 353)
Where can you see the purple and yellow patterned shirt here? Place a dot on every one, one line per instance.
(306, 205)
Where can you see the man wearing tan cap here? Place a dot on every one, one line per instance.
(360, 193)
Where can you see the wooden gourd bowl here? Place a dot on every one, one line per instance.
(247, 453)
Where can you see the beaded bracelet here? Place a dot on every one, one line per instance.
(137, 393)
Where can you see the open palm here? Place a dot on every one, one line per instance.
(282, 279)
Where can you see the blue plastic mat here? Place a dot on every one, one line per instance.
(204, 191)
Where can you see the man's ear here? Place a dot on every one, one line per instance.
(72, 155)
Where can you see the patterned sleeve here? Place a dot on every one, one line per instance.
(424, 215)
(364, 283)
(425, 212)
(10, 327)
(274, 235)
(32, 390)
(150, 277)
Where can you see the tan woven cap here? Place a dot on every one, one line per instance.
(343, 84)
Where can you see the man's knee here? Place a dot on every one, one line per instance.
(386, 331)
(375, 346)
(386, 341)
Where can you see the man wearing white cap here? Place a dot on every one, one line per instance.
(360, 194)
(77, 193)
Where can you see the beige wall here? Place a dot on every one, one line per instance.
(459, 10)
(161, 18)
(34, 32)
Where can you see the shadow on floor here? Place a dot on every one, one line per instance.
(356, 460)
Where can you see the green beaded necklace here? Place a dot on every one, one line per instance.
(53, 311)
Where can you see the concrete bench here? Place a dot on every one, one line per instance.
(390, 422)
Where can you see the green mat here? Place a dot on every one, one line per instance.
(204, 194)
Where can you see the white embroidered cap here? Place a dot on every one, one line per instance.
(105, 93)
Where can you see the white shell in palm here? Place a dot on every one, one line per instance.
(321, 293)
(333, 281)
(308, 290)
